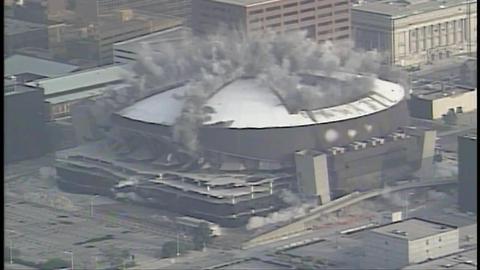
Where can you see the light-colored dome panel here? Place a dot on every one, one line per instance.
(247, 103)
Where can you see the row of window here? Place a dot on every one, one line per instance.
(305, 19)
(270, 9)
(338, 29)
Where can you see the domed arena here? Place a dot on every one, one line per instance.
(220, 128)
(251, 121)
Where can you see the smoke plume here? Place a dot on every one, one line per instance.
(297, 209)
(205, 64)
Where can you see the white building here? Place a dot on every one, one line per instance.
(433, 103)
(411, 241)
(412, 32)
(64, 91)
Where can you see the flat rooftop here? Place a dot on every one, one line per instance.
(413, 229)
(433, 94)
(471, 136)
(245, 3)
(14, 27)
(82, 80)
(405, 8)
(458, 261)
(112, 22)
(172, 35)
(20, 64)
(12, 88)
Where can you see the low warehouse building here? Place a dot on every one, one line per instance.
(411, 241)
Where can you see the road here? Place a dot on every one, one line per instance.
(297, 227)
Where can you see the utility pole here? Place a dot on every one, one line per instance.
(71, 257)
(11, 251)
(468, 26)
(91, 205)
(407, 196)
(178, 246)
(11, 246)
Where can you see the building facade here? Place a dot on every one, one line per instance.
(467, 173)
(321, 19)
(410, 241)
(416, 32)
(25, 131)
(89, 11)
(126, 52)
(95, 42)
(21, 34)
(61, 93)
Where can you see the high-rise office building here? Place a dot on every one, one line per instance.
(321, 19)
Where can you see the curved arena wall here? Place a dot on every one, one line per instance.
(281, 143)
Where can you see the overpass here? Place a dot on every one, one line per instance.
(301, 225)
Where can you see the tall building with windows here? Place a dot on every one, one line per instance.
(322, 19)
(416, 31)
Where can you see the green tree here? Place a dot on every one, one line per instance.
(115, 256)
(54, 263)
(169, 249)
(202, 236)
(450, 118)
(6, 253)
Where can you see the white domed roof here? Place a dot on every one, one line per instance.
(246, 103)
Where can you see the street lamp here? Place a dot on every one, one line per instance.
(178, 246)
(407, 196)
(11, 246)
(91, 205)
(71, 257)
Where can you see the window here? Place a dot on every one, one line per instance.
(440, 238)
(291, 13)
(273, 17)
(341, 3)
(274, 25)
(325, 15)
(308, 18)
(324, 23)
(273, 8)
(290, 5)
(307, 2)
(341, 11)
(338, 29)
(307, 10)
(291, 22)
(427, 243)
(386, 243)
(258, 11)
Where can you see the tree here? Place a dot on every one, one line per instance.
(169, 249)
(450, 118)
(55, 263)
(6, 253)
(115, 256)
(202, 236)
